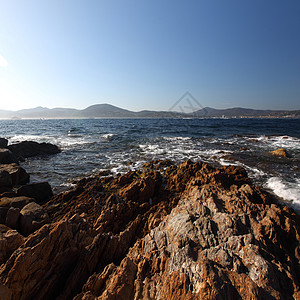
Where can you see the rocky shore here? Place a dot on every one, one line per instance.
(187, 231)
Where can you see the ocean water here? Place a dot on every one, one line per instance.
(91, 145)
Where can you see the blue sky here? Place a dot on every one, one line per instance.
(144, 54)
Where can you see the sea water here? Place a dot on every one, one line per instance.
(91, 145)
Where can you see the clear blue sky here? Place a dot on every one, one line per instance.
(145, 54)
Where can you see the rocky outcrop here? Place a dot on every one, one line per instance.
(3, 143)
(171, 232)
(28, 149)
(7, 157)
(40, 191)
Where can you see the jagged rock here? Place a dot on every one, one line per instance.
(18, 202)
(10, 240)
(3, 143)
(206, 234)
(32, 217)
(279, 152)
(18, 175)
(29, 149)
(5, 179)
(7, 157)
(40, 191)
(12, 217)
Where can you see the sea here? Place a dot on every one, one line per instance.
(92, 145)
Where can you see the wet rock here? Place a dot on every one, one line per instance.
(29, 149)
(3, 143)
(279, 152)
(18, 175)
(7, 157)
(12, 217)
(18, 202)
(40, 191)
(32, 217)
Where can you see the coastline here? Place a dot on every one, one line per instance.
(169, 230)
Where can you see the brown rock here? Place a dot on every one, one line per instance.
(18, 202)
(40, 191)
(3, 213)
(9, 242)
(12, 217)
(5, 179)
(32, 217)
(18, 175)
(279, 152)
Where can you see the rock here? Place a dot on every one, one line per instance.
(3, 143)
(41, 191)
(18, 175)
(18, 202)
(12, 217)
(279, 152)
(7, 157)
(3, 213)
(28, 149)
(32, 217)
(5, 179)
(9, 242)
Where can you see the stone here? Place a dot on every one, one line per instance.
(3, 143)
(279, 152)
(32, 217)
(5, 179)
(10, 240)
(18, 175)
(29, 149)
(12, 217)
(3, 213)
(7, 157)
(18, 202)
(40, 191)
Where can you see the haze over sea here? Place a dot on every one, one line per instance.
(91, 145)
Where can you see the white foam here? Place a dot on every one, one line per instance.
(286, 190)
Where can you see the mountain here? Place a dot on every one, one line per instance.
(110, 111)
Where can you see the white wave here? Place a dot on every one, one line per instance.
(28, 137)
(285, 190)
(108, 135)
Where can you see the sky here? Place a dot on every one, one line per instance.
(145, 54)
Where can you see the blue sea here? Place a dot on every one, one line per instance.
(91, 145)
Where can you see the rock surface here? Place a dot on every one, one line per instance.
(29, 149)
(190, 231)
(279, 152)
(6, 157)
(18, 175)
(40, 191)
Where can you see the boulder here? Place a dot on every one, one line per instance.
(279, 152)
(28, 149)
(40, 191)
(18, 175)
(3, 213)
(5, 179)
(12, 217)
(7, 157)
(3, 143)
(18, 202)
(9, 242)
(32, 217)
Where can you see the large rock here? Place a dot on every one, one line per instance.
(40, 191)
(10, 240)
(32, 217)
(5, 179)
(3, 143)
(18, 202)
(12, 217)
(28, 149)
(18, 175)
(7, 157)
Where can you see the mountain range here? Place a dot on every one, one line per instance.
(110, 111)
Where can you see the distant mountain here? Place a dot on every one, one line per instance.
(111, 111)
